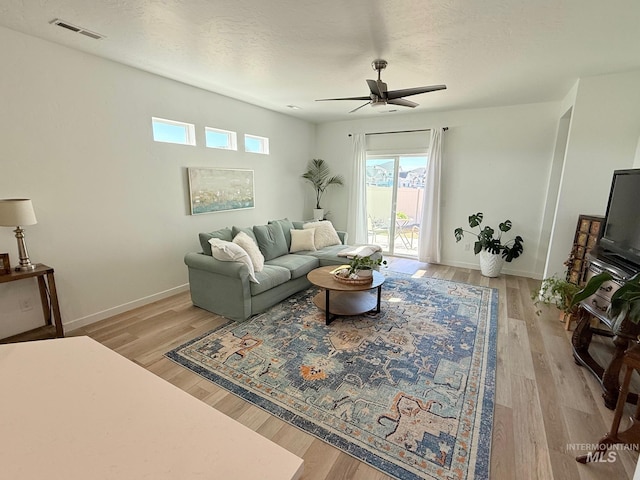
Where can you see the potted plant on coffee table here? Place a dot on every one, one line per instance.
(493, 251)
(319, 175)
(363, 266)
(360, 269)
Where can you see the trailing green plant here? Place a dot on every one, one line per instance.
(557, 292)
(319, 175)
(360, 263)
(625, 301)
(486, 239)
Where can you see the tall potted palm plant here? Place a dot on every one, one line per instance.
(319, 175)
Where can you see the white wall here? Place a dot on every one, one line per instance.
(603, 137)
(496, 160)
(112, 205)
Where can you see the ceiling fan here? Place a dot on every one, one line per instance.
(381, 96)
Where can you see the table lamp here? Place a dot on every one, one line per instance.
(15, 212)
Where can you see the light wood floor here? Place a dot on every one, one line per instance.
(544, 401)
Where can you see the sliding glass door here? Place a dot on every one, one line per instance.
(395, 189)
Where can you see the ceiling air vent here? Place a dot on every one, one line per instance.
(76, 29)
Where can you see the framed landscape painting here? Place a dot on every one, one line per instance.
(220, 189)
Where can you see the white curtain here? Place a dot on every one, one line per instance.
(357, 210)
(429, 247)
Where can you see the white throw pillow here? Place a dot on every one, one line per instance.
(232, 252)
(247, 243)
(302, 240)
(325, 235)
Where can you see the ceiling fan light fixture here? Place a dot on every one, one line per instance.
(379, 94)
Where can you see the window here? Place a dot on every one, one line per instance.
(170, 131)
(255, 144)
(216, 138)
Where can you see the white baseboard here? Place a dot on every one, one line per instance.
(506, 270)
(95, 317)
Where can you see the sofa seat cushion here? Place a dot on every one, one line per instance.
(270, 276)
(298, 265)
(329, 255)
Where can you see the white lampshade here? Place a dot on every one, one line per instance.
(17, 212)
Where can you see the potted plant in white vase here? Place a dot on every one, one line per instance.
(493, 253)
(319, 175)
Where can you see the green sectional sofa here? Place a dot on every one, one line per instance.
(225, 287)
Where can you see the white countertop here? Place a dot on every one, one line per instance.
(71, 409)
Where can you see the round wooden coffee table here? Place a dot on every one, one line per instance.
(342, 298)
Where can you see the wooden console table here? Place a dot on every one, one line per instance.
(48, 295)
(630, 436)
(596, 306)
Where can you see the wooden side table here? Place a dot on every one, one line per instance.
(48, 294)
(631, 436)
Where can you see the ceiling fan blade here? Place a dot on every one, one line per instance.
(348, 98)
(378, 88)
(402, 101)
(356, 109)
(414, 91)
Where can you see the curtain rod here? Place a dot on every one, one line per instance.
(402, 131)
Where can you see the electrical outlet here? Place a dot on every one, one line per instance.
(26, 304)
(467, 246)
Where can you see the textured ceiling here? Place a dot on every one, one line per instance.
(290, 52)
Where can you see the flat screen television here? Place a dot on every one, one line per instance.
(620, 240)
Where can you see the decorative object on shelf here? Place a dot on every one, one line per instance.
(559, 293)
(496, 251)
(588, 231)
(359, 270)
(16, 212)
(220, 189)
(5, 265)
(319, 175)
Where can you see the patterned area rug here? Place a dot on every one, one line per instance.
(409, 391)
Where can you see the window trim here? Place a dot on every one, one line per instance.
(190, 130)
(231, 135)
(264, 143)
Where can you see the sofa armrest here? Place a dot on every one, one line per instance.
(200, 261)
(342, 236)
(219, 287)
